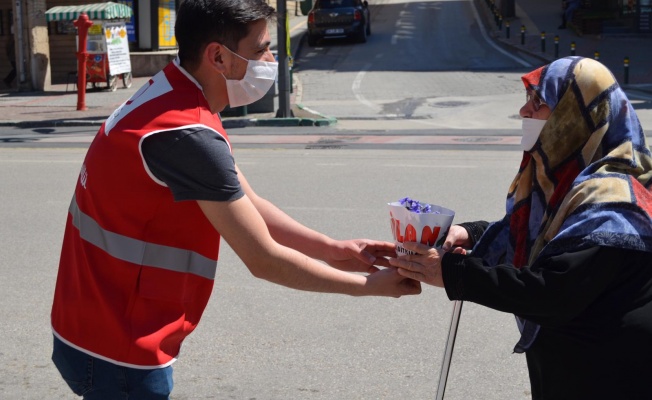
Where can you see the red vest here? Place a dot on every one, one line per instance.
(136, 268)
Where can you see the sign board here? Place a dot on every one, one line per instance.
(117, 47)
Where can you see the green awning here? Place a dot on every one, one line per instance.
(105, 11)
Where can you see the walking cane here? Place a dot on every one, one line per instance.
(448, 353)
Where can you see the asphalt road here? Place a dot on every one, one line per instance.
(262, 341)
(425, 62)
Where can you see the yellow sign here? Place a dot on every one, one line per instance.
(95, 29)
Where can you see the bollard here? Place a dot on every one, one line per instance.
(556, 46)
(572, 48)
(626, 65)
(522, 34)
(500, 22)
(507, 29)
(543, 41)
(596, 55)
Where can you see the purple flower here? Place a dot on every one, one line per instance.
(416, 207)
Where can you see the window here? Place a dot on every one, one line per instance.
(326, 4)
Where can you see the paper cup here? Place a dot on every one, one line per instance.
(428, 228)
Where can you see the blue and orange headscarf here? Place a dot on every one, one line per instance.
(588, 179)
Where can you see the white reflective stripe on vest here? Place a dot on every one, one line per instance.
(140, 252)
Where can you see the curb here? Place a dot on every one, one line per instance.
(52, 123)
(226, 123)
(308, 117)
(496, 35)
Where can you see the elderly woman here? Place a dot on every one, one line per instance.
(572, 258)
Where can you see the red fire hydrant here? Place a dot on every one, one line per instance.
(82, 24)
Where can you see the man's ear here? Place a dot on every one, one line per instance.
(214, 56)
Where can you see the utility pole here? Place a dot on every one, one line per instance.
(283, 71)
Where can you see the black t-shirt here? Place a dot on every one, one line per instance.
(195, 163)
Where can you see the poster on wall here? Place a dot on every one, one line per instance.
(167, 16)
(117, 47)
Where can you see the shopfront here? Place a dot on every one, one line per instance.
(150, 28)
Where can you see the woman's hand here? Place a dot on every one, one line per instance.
(457, 240)
(425, 266)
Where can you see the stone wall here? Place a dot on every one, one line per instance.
(150, 62)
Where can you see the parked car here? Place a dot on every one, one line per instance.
(339, 19)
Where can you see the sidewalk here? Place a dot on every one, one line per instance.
(57, 107)
(545, 17)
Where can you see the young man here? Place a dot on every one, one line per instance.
(157, 190)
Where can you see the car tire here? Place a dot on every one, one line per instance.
(362, 36)
(312, 40)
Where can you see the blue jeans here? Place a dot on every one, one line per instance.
(96, 379)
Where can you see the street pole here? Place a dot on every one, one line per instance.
(18, 34)
(283, 72)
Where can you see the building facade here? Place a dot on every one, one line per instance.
(46, 51)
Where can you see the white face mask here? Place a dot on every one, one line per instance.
(531, 130)
(258, 79)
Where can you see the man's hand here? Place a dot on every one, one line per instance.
(425, 266)
(359, 255)
(388, 282)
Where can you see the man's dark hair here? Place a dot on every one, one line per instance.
(200, 22)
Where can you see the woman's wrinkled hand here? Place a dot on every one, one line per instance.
(424, 266)
(457, 240)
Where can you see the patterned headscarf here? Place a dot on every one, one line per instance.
(588, 179)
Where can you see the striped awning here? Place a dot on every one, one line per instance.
(107, 11)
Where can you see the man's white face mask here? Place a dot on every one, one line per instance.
(531, 130)
(258, 79)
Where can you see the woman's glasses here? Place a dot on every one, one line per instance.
(535, 99)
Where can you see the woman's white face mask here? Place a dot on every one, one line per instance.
(531, 130)
(258, 79)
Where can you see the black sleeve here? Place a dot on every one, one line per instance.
(475, 230)
(551, 292)
(195, 163)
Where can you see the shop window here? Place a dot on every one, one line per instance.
(62, 28)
